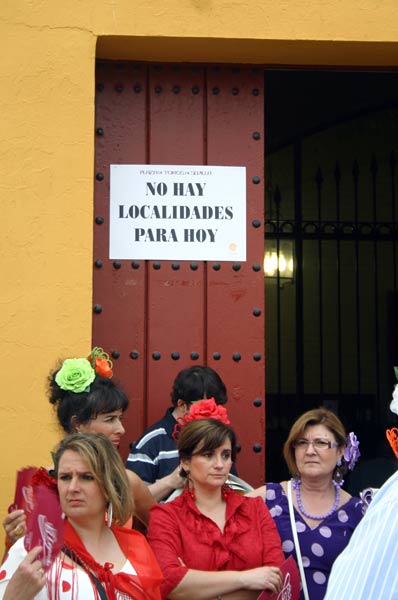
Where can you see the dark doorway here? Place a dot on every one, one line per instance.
(331, 323)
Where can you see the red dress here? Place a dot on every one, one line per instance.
(177, 530)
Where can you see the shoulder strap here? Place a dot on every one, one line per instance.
(296, 541)
(101, 592)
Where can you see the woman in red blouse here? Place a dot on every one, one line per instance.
(211, 542)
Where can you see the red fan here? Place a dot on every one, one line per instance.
(45, 524)
(23, 490)
(290, 583)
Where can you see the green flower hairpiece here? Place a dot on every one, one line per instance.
(75, 375)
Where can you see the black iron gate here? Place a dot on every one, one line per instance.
(331, 323)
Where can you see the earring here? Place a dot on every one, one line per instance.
(190, 488)
(338, 475)
(225, 490)
(109, 514)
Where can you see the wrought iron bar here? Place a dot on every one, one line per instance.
(319, 182)
(277, 201)
(373, 172)
(299, 273)
(332, 230)
(337, 180)
(355, 175)
(393, 164)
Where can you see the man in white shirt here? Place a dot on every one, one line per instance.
(367, 569)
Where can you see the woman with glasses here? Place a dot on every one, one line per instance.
(320, 517)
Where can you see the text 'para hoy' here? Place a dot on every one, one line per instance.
(161, 234)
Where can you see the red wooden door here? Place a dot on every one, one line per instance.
(158, 317)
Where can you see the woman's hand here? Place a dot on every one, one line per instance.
(15, 526)
(162, 488)
(262, 578)
(28, 579)
(175, 480)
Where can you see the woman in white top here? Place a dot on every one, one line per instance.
(98, 559)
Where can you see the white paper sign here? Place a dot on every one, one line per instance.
(169, 212)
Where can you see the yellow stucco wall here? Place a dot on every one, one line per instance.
(48, 51)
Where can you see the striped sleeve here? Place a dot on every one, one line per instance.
(368, 568)
(153, 456)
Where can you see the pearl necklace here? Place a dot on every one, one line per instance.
(296, 484)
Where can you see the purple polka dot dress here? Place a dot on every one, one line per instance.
(319, 546)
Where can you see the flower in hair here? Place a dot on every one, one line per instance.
(203, 409)
(394, 402)
(206, 409)
(351, 453)
(392, 434)
(101, 362)
(75, 375)
(392, 437)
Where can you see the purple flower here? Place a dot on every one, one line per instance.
(351, 453)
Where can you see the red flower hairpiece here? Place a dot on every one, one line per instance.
(203, 409)
(392, 437)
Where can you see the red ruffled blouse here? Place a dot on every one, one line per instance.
(179, 532)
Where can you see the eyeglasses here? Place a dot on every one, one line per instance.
(303, 444)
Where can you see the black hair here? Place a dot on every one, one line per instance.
(104, 397)
(196, 383)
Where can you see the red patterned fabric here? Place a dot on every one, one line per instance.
(182, 538)
(136, 549)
